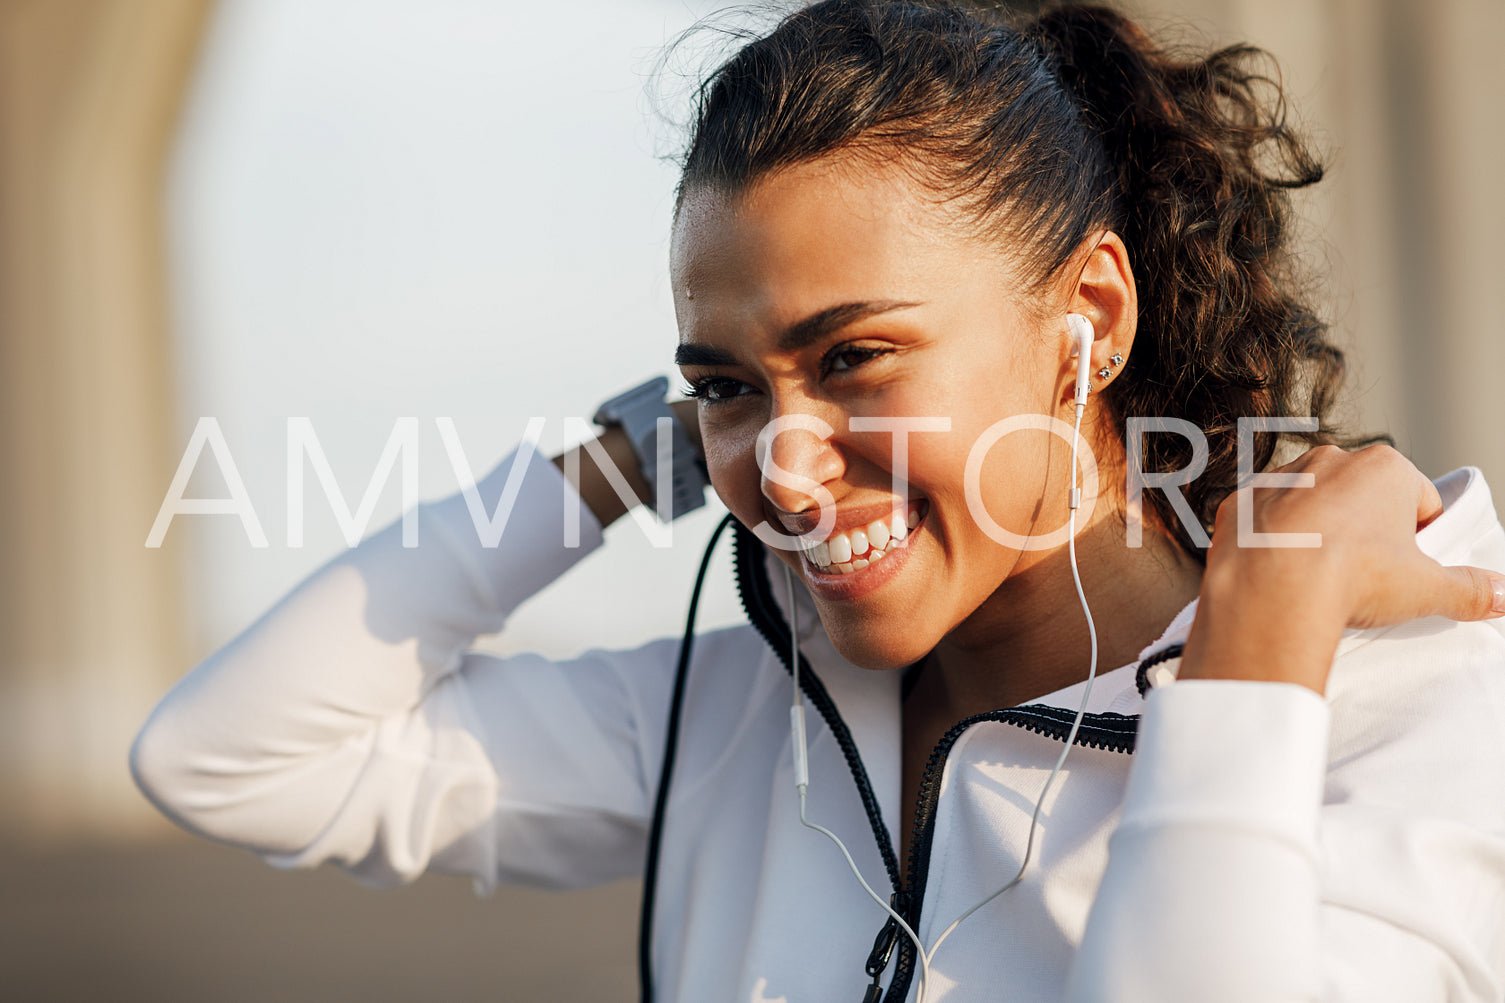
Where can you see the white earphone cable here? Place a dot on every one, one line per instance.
(1076, 723)
(801, 764)
(802, 780)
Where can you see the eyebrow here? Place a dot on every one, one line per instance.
(798, 335)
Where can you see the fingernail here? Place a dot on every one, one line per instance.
(1497, 585)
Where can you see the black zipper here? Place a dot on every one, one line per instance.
(1108, 731)
(757, 599)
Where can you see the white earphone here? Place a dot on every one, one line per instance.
(1079, 330)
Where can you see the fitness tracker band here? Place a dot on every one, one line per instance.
(637, 412)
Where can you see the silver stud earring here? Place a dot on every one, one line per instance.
(1105, 372)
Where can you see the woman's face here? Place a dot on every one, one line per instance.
(836, 291)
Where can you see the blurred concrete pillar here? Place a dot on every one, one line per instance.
(90, 626)
(1402, 95)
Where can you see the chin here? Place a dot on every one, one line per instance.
(879, 652)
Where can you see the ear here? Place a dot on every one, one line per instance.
(1103, 292)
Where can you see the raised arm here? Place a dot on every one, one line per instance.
(1249, 863)
(341, 725)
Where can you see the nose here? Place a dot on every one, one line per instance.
(796, 459)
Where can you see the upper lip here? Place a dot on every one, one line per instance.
(848, 517)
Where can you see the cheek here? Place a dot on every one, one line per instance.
(1028, 491)
(1011, 474)
(732, 464)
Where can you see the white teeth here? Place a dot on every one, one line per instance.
(913, 518)
(855, 549)
(841, 548)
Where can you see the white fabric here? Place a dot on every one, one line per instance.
(1267, 844)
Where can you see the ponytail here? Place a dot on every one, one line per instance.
(1204, 161)
(1049, 130)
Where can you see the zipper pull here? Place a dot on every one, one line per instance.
(877, 961)
(883, 948)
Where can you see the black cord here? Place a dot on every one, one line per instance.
(661, 799)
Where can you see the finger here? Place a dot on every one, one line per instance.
(1468, 593)
(1428, 501)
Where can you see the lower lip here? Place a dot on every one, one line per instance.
(857, 584)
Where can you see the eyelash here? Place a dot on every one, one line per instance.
(701, 389)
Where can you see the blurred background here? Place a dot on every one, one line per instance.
(357, 211)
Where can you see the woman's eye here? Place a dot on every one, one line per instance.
(715, 389)
(721, 389)
(843, 359)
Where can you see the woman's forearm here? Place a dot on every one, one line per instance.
(594, 485)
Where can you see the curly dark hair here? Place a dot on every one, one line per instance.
(1044, 130)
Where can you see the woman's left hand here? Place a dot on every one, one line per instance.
(1276, 613)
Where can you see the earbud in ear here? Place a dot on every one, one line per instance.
(1079, 329)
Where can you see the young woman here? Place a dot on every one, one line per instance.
(897, 223)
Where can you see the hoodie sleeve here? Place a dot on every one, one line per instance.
(1263, 855)
(351, 723)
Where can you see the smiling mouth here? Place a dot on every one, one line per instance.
(844, 553)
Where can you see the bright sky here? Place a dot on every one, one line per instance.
(455, 208)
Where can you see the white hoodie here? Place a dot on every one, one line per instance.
(1212, 841)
